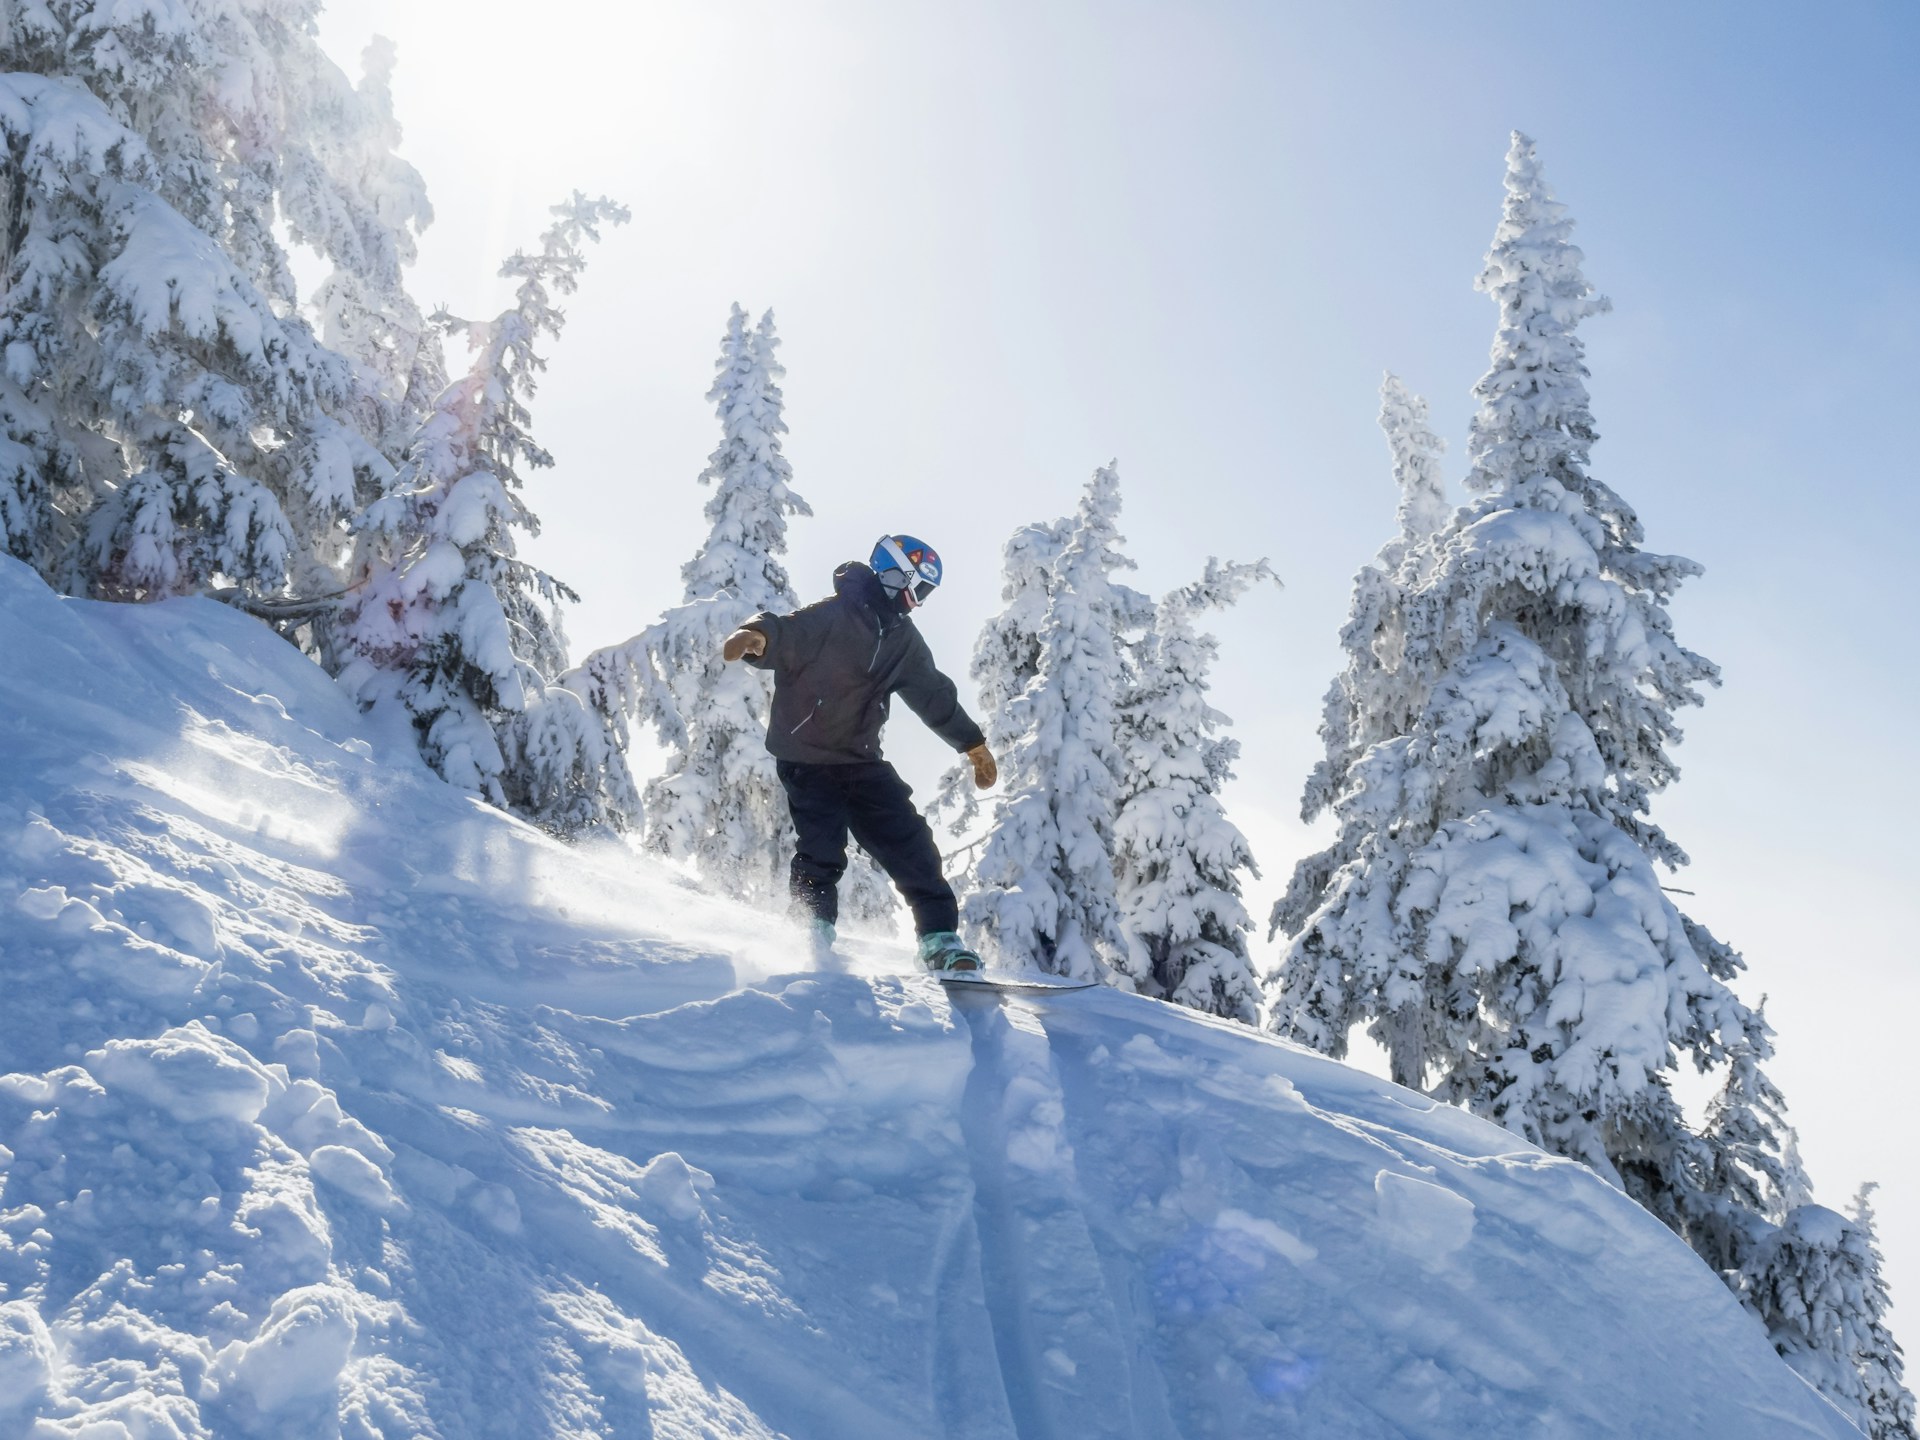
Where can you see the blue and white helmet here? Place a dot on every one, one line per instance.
(906, 566)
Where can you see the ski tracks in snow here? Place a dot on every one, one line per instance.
(1066, 1335)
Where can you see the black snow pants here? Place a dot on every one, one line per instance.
(869, 799)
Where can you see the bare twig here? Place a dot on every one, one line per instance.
(966, 849)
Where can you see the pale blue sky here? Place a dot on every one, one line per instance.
(1009, 241)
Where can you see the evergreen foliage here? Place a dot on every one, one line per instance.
(1107, 853)
(1490, 906)
(1493, 848)
(1416, 453)
(1748, 1157)
(1375, 697)
(168, 422)
(1815, 1280)
(450, 624)
(1043, 889)
(720, 802)
(1878, 1360)
(1810, 1276)
(1177, 858)
(1006, 658)
(752, 481)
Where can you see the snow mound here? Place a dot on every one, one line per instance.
(334, 1103)
(189, 1073)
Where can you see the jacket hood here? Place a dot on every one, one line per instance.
(856, 581)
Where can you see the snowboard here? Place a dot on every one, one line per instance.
(990, 980)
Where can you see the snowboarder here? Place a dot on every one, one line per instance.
(836, 664)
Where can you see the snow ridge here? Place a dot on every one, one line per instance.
(334, 1102)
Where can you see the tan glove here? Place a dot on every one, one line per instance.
(985, 772)
(743, 641)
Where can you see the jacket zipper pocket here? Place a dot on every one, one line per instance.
(878, 645)
(809, 715)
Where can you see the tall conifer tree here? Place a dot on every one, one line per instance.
(1490, 906)
(1042, 889)
(1815, 1281)
(450, 624)
(1367, 701)
(720, 803)
(1878, 1359)
(1006, 658)
(1519, 734)
(1177, 858)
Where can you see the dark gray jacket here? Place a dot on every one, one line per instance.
(836, 666)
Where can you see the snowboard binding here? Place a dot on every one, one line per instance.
(942, 951)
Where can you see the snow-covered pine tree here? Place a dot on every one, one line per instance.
(1478, 751)
(1373, 698)
(752, 480)
(1878, 1359)
(1490, 905)
(1042, 888)
(167, 422)
(1815, 1280)
(451, 625)
(1416, 451)
(1747, 1160)
(720, 802)
(1177, 858)
(1006, 659)
(140, 361)
(1747, 1209)
(1366, 701)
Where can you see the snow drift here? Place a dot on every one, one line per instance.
(336, 1103)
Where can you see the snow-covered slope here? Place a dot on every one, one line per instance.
(340, 1105)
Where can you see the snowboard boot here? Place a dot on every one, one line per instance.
(942, 950)
(820, 938)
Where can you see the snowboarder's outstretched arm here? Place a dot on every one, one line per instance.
(934, 697)
(768, 641)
